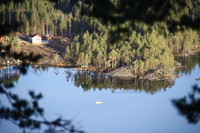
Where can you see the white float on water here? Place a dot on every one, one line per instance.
(99, 102)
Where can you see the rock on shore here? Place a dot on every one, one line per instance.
(156, 74)
(9, 61)
(122, 72)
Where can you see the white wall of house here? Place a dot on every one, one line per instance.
(36, 39)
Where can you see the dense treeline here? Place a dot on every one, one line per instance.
(117, 12)
(44, 17)
(146, 47)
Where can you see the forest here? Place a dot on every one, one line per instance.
(144, 46)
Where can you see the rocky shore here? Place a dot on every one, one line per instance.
(155, 75)
(9, 61)
(52, 55)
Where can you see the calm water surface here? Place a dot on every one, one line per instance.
(129, 106)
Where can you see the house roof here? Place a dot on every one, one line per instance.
(36, 35)
(1, 39)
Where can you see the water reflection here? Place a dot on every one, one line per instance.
(27, 114)
(39, 69)
(9, 75)
(189, 106)
(188, 63)
(95, 81)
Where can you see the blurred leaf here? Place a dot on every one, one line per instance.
(189, 106)
(40, 111)
(32, 94)
(39, 96)
(9, 85)
(36, 125)
(35, 104)
(28, 112)
(2, 90)
(22, 124)
(14, 97)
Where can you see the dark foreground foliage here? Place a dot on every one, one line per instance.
(189, 106)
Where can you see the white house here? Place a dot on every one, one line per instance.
(36, 39)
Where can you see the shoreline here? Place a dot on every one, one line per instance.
(188, 54)
(54, 58)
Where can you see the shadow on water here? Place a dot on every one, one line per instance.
(27, 115)
(95, 81)
(189, 106)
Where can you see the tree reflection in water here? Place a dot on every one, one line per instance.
(189, 106)
(8, 76)
(90, 80)
(27, 115)
(189, 61)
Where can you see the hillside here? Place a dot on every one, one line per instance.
(52, 53)
(145, 47)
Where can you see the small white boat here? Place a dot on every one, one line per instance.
(99, 102)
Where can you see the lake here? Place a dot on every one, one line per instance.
(129, 106)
